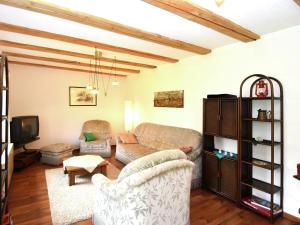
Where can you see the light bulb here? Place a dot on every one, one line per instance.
(219, 2)
(89, 87)
(115, 83)
(94, 91)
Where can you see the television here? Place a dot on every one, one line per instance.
(24, 129)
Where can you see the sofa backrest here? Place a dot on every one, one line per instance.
(166, 137)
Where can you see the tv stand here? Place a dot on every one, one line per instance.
(26, 157)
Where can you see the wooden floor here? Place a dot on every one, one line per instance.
(28, 203)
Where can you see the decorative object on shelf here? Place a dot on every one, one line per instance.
(261, 89)
(259, 139)
(261, 205)
(298, 170)
(172, 99)
(80, 96)
(221, 154)
(269, 114)
(262, 114)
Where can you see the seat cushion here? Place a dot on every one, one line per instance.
(57, 148)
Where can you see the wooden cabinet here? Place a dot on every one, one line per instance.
(220, 175)
(211, 171)
(220, 117)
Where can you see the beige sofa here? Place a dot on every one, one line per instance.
(154, 137)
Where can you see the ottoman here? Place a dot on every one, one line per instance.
(55, 153)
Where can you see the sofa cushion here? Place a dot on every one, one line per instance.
(163, 137)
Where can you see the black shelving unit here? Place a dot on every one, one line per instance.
(247, 161)
(4, 132)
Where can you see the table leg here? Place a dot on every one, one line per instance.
(71, 178)
(103, 170)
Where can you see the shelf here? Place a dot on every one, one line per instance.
(261, 185)
(296, 177)
(255, 119)
(264, 142)
(4, 88)
(257, 98)
(261, 163)
(3, 177)
(3, 147)
(261, 206)
(4, 118)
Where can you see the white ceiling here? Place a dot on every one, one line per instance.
(259, 16)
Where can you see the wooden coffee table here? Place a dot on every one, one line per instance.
(72, 171)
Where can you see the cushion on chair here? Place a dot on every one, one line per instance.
(128, 138)
(150, 161)
(89, 136)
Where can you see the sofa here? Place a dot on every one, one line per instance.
(154, 189)
(155, 137)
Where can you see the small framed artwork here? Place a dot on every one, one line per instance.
(79, 96)
(173, 99)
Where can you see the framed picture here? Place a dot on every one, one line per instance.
(172, 99)
(79, 96)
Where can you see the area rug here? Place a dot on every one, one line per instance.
(71, 204)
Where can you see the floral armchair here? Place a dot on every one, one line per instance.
(102, 131)
(154, 189)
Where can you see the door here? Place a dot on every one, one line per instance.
(211, 116)
(229, 118)
(228, 178)
(211, 171)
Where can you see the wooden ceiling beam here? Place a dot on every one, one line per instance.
(298, 2)
(94, 21)
(70, 62)
(69, 53)
(200, 15)
(61, 68)
(79, 41)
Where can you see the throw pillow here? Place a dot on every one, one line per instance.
(128, 138)
(89, 136)
(185, 149)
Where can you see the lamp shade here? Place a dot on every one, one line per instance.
(128, 116)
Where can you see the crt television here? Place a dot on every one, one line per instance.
(24, 129)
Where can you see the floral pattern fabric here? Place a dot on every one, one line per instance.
(159, 195)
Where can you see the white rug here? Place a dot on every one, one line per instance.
(70, 204)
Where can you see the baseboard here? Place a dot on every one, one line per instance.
(291, 217)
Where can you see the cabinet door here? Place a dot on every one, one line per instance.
(229, 118)
(211, 171)
(228, 178)
(211, 116)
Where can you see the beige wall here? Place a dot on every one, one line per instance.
(222, 71)
(45, 92)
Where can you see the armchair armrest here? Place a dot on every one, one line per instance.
(111, 188)
(118, 140)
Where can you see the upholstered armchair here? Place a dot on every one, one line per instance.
(102, 131)
(154, 189)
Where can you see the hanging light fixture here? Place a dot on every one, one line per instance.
(93, 85)
(115, 81)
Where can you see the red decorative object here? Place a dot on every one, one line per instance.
(261, 89)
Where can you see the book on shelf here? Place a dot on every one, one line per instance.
(261, 205)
